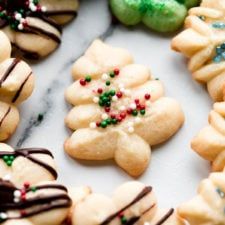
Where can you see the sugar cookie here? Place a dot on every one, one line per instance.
(119, 109)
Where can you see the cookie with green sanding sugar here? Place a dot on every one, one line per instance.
(158, 15)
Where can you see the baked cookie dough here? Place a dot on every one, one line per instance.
(159, 15)
(16, 85)
(34, 26)
(132, 203)
(28, 164)
(203, 42)
(207, 208)
(45, 203)
(210, 141)
(119, 109)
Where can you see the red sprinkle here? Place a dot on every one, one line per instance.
(23, 197)
(142, 107)
(26, 185)
(23, 192)
(147, 96)
(82, 82)
(98, 124)
(23, 213)
(113, 116)
(123, 115)
(100, 90)
(137, 101)
(119, 94)
(116, 71)
(118, 117)
(107, 109)
(121, 214)
(129, 111)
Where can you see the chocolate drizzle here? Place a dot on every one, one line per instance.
(27, 153)
(9, 70)
(166, 217)
(4, 117)
(32, 205)
(141, 195)
(60, 13)
(21, 88)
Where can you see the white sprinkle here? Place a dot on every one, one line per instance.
(16, 200)
(130, 129)
(114, 98)
(92, 125)
(130, 124)
(7, 177)
(127, 92)
(148, 103)
(17, 194)
(105, 116)
(122, 89)
(96, 99)
(20, 26)
(105, 76)
(133, 106)
(137, 120)
(146, 223)
(43, 8)
(122, 108)
(3, 216)
(121, 86)
(18, 16)
(32, 7)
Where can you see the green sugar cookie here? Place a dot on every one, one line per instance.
(159, 15)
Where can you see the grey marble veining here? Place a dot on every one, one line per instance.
(175, 170)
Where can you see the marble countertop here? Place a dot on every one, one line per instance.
(175, 170)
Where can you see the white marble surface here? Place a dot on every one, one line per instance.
(175, 170)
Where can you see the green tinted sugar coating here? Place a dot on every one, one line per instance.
(127, 11)
(164, 15)
(159, 15)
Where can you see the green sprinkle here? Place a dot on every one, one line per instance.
(142, 112)
(5, 157)
(9, 163)
(88, 78)
(134, 112)
(11, 157)
(112, 92)
(104, 124)
(40, 117)
(123, 220)
(108, 121)
(107, 83)
(101, 103)
(112, 74)
(114, 121)
(108, 104)
(33, 189)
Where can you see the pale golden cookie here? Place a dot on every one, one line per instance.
(16, 85)
(45, 203)
(36, 31)
(207, 208)
(120, 110)
(203, 42)
(132, 203)
(210, 141)
(28, 164)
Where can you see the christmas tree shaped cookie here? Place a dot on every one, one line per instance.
(210, 141)
(207, 208)
(203, 42)
(119, 109)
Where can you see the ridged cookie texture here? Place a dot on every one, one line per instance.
(119, 109)
(44, 203)
(16, 85)
(210, 141)
(35, 28)
(203, 42)
(207, 208)
(132, 203)
(27, 164)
